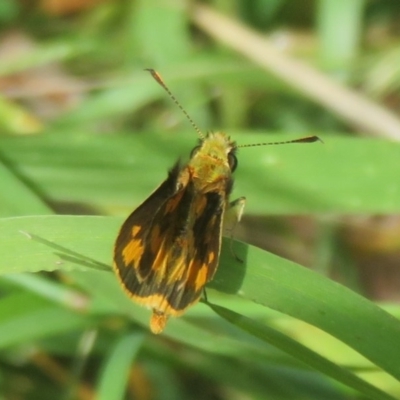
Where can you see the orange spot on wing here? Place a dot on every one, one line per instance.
(178, 270)
(160, 264)
(136, 229)
(201, 278)
(133, 251)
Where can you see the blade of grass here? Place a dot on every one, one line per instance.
(341, 176)
(301, 352)
(114, 377)
(339, 46)
(16, 198)
(345, 102)
(263, 278)
(23, 310)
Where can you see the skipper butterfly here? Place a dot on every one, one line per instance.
(168, 248)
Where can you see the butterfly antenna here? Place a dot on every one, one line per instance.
(160, 81)
(307, 139)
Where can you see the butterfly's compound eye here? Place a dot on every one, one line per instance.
(232, 161)
(194, 151)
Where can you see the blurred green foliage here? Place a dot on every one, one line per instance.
(86, 132)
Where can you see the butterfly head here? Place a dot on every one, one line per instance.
(214, 157)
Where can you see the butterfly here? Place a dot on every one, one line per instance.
(168, 249)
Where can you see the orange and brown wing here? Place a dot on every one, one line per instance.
(133, 236)
(168, 248)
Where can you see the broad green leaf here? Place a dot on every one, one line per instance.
(340, 176)
(309, 357)
(263, 278)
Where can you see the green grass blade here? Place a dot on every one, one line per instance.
(114, 377)
(263, 278)
(294, 290)
(340, 46)
(16, 198)
(25, 318)
(340, 176)
(301, 352)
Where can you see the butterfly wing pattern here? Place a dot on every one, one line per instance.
(168, 248)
